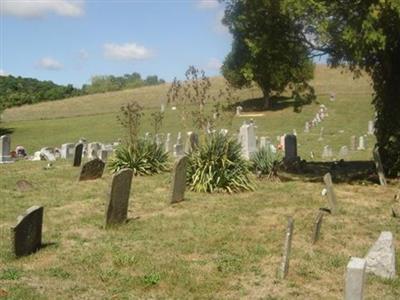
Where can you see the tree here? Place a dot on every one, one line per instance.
(266, 49)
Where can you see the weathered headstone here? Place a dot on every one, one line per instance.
(317, 226)
(168, 143)
(179, 180)
(117, 208)
(93, 150)
(379, 166)
(67, 150)
(371, 127)
(361, 143)
(239, 109)
(92, 170)
(248, 140)
(5, 146)
(24, 185)
(284, 267)
(330, 193)
(381, 258)
(344, 152)
(321, 134)
(353, 143)
(355, 279)
(327, 152)
(192, 141)
(27, 233)
(290, 148)
(307, 127)
(47, 153)
(178, 150)
(78, 155)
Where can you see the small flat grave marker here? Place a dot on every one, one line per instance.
(92, 170)
(330, 193)
(78, 155)
(379, 167)
(179, 180)
(117, 208)
(27, 233)
(284, 268)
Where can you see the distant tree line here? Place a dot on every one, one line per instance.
(16, 91)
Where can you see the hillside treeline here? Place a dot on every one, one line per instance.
(16, 91)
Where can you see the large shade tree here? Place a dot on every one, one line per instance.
(361, 34)
(264, 49)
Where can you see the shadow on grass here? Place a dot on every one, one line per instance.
(4, 131)
(257, 104)
(341, 171)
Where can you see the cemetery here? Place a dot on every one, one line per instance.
(275, 177)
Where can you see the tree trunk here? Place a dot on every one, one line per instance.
(267, 99)
(387, 104)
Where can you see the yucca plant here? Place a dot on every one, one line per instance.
(217, 165)
(144, 157)
(265, 163)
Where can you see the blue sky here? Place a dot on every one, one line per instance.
(68, 41)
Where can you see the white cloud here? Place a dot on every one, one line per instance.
(49, 63)
(219, 27)
(3, 73)
(83, 54)
(127, 51)
(41, 8)
(214, 64)
(207, 4)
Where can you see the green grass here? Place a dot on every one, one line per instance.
(208, 247)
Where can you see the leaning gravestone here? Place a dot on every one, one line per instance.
(317, 226)
(379, 167)
(27, 233)
(179, 180)
(381, 258)
(284, 267)
(117, 208)
(330, 193)
(78, 155)
(92, 170)
(355, 279)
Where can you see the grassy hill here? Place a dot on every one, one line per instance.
(215, 246)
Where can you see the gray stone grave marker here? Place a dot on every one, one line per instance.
(27, 233)
(353, 143)
(179, 180)
(78, 155)
(379, 167)
(317, 227)
(290, 148)
(330, 193)
(355, 278)
(117, 208)
(5, 146)
(92, 170)
(284, 267)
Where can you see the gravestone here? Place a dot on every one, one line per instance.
(179, 139)
(5, 146)
(48, 153)
(239, 110)
(379, 167)
(361, 143)
(178, 150)
(327, 152)
(92, 170)
(355, 279)
(168, 143)
(317, 226)
(290, 148)
(117, 208)
(321, 134)
(24, 185)
(179, 180)
(371, 127)
(27, 233)
(381, 258)
(307, 127)
(192, 141)
(93, 150)
(67, 150)
(263, 142)
(284, 268)
(330, 193)
(78, 155)
(248, 140)
(353, 143)
(344, 152)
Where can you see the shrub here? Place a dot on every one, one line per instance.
(144, 157)
(265, 163)
(218, 165)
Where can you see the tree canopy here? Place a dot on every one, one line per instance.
(360, 34)
(265, 49)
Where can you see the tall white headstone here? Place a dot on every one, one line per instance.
(371, 127)
(361, 143)
(248, 140)
(5, 147)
